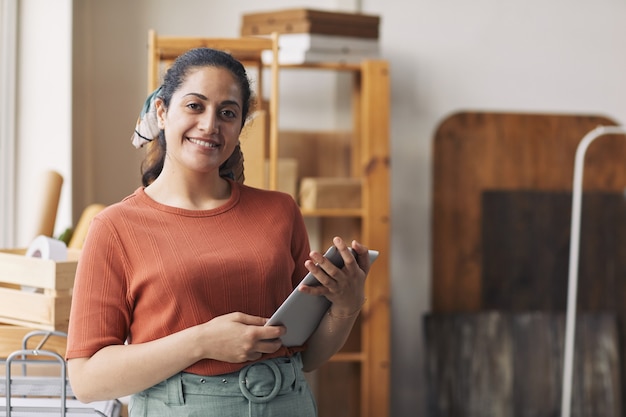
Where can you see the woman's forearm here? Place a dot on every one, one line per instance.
(330, 336)
(120, 370)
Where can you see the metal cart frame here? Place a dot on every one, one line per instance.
(45, 395)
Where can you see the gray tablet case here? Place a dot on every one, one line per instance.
(301, 313)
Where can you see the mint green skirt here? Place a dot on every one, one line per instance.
(274, 387)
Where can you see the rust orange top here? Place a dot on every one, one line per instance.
(148, 270)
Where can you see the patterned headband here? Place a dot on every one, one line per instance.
(147, 127)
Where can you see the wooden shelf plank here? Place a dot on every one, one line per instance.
(332, 213)
(348, 357)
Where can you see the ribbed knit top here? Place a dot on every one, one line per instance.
(148, 270)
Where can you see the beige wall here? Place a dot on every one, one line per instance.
(44, 108)
(522, 55)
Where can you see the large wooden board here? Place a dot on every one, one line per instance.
(479, 151)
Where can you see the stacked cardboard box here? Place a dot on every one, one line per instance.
(330, 193)
(315, 35)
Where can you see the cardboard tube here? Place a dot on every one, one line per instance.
(51, 184)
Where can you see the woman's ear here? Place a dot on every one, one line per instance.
(161, 111)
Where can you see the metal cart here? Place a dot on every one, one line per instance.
(35, 395)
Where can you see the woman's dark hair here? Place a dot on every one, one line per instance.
(195, 58)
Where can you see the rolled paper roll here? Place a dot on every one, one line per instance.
(45, 247)
(50, 195)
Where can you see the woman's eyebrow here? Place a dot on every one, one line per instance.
(200, 96)
(203, 97)
(231, 102)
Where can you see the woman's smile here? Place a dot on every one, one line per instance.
(204, 143)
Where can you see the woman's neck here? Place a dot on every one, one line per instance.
(201, 193)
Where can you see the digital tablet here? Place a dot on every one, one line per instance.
(301, 313)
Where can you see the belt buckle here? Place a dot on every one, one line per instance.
(278, 381)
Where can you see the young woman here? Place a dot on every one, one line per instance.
(176, 282)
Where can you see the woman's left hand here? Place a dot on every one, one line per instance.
(344, 287)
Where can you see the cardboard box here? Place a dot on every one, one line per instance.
(330, 193)
(311, 21)
(35, 292)
(287, 176)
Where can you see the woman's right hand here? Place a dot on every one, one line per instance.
(233, 337)
(239, 337)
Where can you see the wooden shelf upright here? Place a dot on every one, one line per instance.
(356, 382)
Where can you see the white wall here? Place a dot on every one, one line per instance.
(44, 109)
(560, 56)
(8, 74)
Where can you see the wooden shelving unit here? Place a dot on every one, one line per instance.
(356, 381)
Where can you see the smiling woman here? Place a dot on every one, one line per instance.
(176, 282)
(8, 41)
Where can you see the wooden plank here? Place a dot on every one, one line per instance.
(509, 364)
(36, 272)
(478, 151)
(248, 48)
(374, 166)
(312, 15)
(322, 28)
(536, 366)
(526, 251)
(22, 270)
(26, 306)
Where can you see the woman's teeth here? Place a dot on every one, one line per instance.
(202, 143)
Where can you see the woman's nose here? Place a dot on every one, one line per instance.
(208, 123)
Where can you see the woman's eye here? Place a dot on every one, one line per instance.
(194, 106)
(229, 114)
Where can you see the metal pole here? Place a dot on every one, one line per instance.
(570, 320)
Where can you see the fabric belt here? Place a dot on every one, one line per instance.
(273, 387)
(258, 382)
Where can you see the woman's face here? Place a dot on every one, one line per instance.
(203, 121)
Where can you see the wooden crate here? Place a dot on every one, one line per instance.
(34, 292)
(11, 340)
